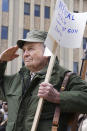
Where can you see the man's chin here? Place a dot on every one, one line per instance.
(28, 65)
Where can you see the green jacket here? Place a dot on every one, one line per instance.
(22, 107)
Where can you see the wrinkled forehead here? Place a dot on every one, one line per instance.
(33, 44)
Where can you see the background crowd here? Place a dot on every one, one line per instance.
(3, 115)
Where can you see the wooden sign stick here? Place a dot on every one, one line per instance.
(47, 78)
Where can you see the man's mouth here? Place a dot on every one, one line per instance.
(28, 60)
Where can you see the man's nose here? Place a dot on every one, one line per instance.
(26, 53)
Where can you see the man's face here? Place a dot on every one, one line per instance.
(33, 56)
(5, 106)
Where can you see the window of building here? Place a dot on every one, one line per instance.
(25, 33)
(5, 5)
(4, 32)
(27, 8)
(84, 43)
(47, 12)
(75, 67)
(37, 10)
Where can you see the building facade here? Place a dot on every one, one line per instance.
(17, 17)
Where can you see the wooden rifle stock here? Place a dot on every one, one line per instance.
(84, 66)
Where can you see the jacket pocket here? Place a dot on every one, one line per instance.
(13, 106)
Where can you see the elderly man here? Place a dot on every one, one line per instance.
(23, 89)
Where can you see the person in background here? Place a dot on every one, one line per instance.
(5, 109)
(2, 122)
(0, 104)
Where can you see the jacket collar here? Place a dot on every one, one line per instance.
(24, 71)
(44, 70)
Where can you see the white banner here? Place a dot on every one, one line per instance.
(66, 28)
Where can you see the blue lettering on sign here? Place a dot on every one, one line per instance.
(69, 16)
(63, 28)
(72, 31)
(58, 31)
(65, 11)
(61, 6)
(58, 22)
(73, 17)
(61, 18)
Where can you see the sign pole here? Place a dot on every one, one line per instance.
(47, 78)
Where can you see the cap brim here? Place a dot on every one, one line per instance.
(21, 42)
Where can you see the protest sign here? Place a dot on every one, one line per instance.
(66, 28)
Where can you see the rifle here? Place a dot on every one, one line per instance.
(83, 71)
(74, 122)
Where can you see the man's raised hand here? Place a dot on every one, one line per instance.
(9, 54)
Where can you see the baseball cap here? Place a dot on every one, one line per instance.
(33, 36)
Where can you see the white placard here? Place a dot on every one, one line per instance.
(66, 28)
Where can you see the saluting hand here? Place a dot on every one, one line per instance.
(9, 54)
(47, 92)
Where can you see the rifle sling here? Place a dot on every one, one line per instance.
(57, 109)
